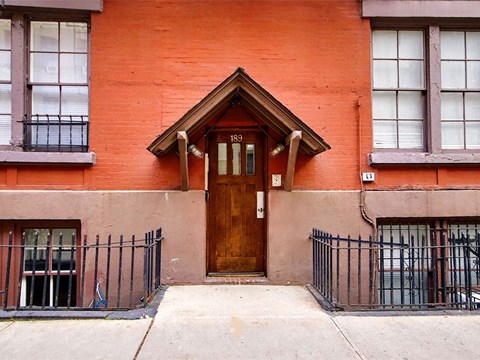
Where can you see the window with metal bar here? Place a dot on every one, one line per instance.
(50, 269)
(5, 82)
(429, 262)
(58, 88)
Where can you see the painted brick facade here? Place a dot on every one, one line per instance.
(151, 61)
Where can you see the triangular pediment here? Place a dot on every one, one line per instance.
(240, 86)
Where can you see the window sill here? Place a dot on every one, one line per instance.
(57, 158)
(388, 158)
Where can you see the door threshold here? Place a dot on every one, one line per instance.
(236, 278)
(236, 274)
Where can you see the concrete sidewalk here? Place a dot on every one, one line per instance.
(245, 322)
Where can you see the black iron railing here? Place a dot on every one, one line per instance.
(56, 133)
(437, 270)
(120, 274)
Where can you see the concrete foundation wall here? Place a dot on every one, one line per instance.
(182, 215)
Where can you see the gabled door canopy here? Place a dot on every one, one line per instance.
(239, 85)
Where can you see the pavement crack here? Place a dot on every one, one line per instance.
(347, 339)
(6, 327)
(144, 338)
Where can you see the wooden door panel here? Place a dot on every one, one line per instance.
(236, 235)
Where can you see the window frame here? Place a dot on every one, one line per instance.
(399, 89)
(433, 154)
(21, 104)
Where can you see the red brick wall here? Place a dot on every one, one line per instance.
(151, 61)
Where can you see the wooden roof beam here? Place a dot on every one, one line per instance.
(182, 139)
(293, 141)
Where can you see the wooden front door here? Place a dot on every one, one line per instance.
(236, 229)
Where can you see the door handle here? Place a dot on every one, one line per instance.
(260, 205)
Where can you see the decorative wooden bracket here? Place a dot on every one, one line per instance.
(182, 138)
(293, 141)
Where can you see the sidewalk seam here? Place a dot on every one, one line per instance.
(143, 340)
(347, 339)
(6, 327)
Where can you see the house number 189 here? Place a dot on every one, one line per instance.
(236, 138)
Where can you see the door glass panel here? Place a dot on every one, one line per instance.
(250, 159)
(237, 158)
(222, 158)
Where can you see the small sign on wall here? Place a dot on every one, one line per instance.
(368, 177)
(276, 180)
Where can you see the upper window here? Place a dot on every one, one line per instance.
(49, 76)
(398, 89)
(5, 82)
(460, 64)
(402, 83)
(58, 86)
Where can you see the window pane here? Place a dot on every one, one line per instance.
(44, 36)
(384, 44)
(473, 45)
(410, 44)
(452, 135)
(66, 249)
(411, 74)
(74, 100)
(473, 135)
(410, 134)
(45, 100)
(5, 99)
(73, 131)
(5, 129)
(73, 68)
(472, 106)
(385, 134)
(41, 237)
(237, 158)
(384, 105)
(385, 74)
(44, 68)
(410, 105)
(250, 155)
(73, 37)
(67, 236)
(222, 159)
(452, 45)
(453, 75)
(452, 106)
(473, 75)
(46, 133)
(5, 65)
(5, 34)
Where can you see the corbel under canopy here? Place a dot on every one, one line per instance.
(240, 86)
